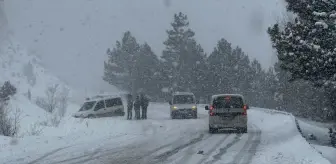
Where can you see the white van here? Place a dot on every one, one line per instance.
(227, 111)
(101, 106)
(183, 104)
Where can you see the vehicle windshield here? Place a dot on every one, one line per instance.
(183, 99)
(228, 102)
(87, 106)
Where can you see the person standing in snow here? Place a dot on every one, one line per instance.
(144, 104)
(129, 106)
(137, 105)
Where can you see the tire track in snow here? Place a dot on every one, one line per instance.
(164, 156)
(122, 155)
(47, 154)
(253, 149)
(213, 149)
(190, 151)
(130, 149)
(223, 150)
(243, 152)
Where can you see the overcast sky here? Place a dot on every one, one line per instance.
(72, 36)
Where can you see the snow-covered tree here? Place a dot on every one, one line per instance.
(146, 70)
(120, 67)
(7, 90)
(182, 55)
(306, 47)
(219, 66)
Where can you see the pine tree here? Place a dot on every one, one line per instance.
(219, 66)
(120, 67)
(306, 47)
(181, 55)
(242, 71)
(7, 90)
(268, 89)
(256, 75)
(147, 71)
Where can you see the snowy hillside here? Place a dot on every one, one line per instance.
(24, 71)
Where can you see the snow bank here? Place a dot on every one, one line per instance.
(80, 136)
(321, 133)
(71, 133)
(327, 152)
(280, 140)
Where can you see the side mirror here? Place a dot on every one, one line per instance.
(197, 101)
(170, 103)
(206, 107)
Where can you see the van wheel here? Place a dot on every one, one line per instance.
(212, 130)
(242, 130)
(91, 116)
(172, 116)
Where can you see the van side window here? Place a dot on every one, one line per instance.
(100, 105)
(113, 102)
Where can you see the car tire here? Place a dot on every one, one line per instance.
(194, 115)
(212, 130)
(243, 130)
(172, 116)
(90, 116)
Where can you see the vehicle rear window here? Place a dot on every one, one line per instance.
(113, 102)
(183, 99)
(228, 102)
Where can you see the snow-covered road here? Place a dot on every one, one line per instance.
(272, 138)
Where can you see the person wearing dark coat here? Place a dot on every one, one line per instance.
(144, 101)
(129, 106)
(137, 105)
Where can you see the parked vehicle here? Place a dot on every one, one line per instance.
(183, 104)
(101, 106)
(227, 111)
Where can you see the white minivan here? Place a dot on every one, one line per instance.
(101, 106)
(183, 104)
(227, 111)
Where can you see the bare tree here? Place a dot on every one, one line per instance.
(51, 98)
(35, 129)
(9, 122)
(63, 102)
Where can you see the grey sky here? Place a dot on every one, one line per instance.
(72, 36)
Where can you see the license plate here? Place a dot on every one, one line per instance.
(226, 117)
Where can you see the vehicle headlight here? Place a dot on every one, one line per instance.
(194, 107)
(174, 107)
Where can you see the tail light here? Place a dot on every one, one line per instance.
(245, 110)
(212, 111)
